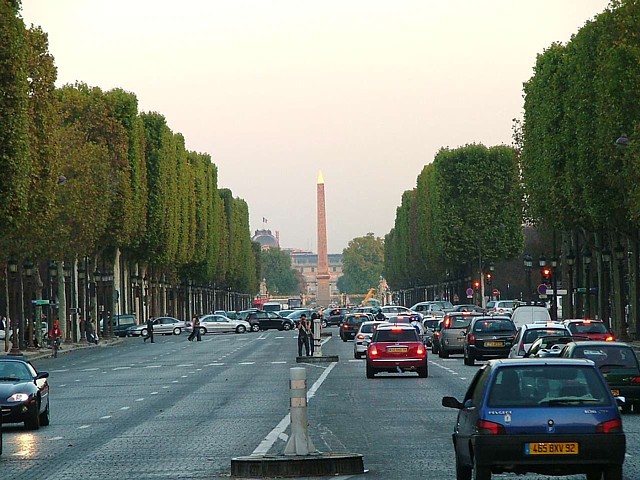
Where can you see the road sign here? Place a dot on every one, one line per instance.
(560, 291)
(469, 292)
(40, 302)
(495, 292)
(542, 289)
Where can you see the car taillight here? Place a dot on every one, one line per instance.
(420, 351)
(635, 380)
(360, 336)
(345, 325)
(471, 338)
(610, 339)
(610, 426)
(491, 428)
(373, 351)
(436, 334)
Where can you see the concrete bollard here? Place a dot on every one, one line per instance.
(317, 341)
(299, 442)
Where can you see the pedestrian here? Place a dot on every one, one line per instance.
(55, 335)
(380, 316)
(195, 333)
(149, 335)
(303, 335)
(312, 344)
(90, 332)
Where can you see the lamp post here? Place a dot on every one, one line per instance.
(619, 254)
(107, 281)
(66, 268)
(606, 259)
(81, 301)
(586, 258)
(12, 266)
(528, 264)
(53, 273)
(27, 269)
(554, 285)
(571, 260)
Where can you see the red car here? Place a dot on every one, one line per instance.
(396, 348)
(592, 329)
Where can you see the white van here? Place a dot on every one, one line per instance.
(271, 307)
(525, 314)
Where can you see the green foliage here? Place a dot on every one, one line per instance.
(362, 264)
(276, 270)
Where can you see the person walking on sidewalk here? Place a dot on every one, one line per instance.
(303, 335)
(149, 331)
(90, 332)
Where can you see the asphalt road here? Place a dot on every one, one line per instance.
(177, 409)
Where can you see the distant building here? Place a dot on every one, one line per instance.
(306, 263)
(266, 239)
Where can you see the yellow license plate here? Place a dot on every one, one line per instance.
(397, 349)
(551, 448)
(494, 344)
(616, 393)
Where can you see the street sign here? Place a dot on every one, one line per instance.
(40, 302)
(560, 291)
(469, 292)
(542, 289)
(495, 292)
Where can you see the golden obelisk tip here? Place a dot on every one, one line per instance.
(320, 178)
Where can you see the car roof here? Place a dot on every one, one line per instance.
(22, 360)
(581, 320)
(545, 325)
(395, 326)
(490, 317)
(601, 343)
(373, 322)
(506, 362)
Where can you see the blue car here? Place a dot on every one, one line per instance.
(551, 416)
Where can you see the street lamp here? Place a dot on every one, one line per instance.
(606, 259)
(27, 269)
(571, 260)
(528, 264)
(619, 254)
(586, 258)
(12, 266)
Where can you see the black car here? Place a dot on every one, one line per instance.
(261, 320)
(24, 393)
(488, 337)
(336, 316)
(351, 325)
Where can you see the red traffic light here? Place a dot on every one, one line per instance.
(476, 284)
(546, 272)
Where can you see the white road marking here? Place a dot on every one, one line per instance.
(63, 385)
(105, 417)
(90, 369)
(153, 366)
(247, 363)
(215, 364)
(125, 408)
(165, 386)
(277, 362)
(20, 453)
(121, 368)
(184, 376)
(59, 371)
(77, 380)
(185, 365)
(153, 393)
(55, 438)
(353, 360)
(274, 434)
(139, 399)
(284, 437)
(83, 426)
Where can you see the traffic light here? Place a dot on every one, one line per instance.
(476, 284)
(489, 278)
(545, 272)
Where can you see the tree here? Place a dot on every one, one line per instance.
(362, 264)
(276, 270)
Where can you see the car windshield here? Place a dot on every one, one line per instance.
(430, 324)
(493, 326)
(399, 335)
(548, 386)
(13, 371)
(610, 356)
(590, 327)
(533, 333)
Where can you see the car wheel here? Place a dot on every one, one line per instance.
(45, 417)
(471, 360)
(33, 422)
(443, 354)
(323, 324)
(240, 329)
(594, 475)
(613, 472)
(344, 339)
(255, 327)
(177, 331)
(480, 473)
(423, 372)
(370, 371)
(462, 471)
(143, 332)
(286, 327)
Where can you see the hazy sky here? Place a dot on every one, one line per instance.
(366, 91)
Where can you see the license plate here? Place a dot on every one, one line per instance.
(616, 393)
(548, 448)
(494, 344)
(397, 349)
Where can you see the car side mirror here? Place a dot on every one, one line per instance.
(452, 402)
(42, 375)
(620, 401)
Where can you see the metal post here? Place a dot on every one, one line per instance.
(299, 442)
(317, 340)
(586, 257)
(13, 307)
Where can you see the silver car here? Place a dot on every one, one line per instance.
(219, 323)
(363, 337)
(161, 326)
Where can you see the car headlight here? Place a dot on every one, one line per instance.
(18, 397)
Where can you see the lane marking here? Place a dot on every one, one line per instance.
(83, 426)
(121, 368)
(185, 365)
(90, 369)
(215, 364)
(139, 400)
(125, 408)
(55, 438)
(153, 393)
(153, 366)
(274, 434)
(274, 363)
(59, 371)
(247, 363)
(105, 417)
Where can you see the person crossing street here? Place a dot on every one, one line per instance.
(149, 335)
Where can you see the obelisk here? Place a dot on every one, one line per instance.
(323, 295)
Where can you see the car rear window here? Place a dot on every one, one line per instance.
(592, 327)
(611, 356)
(126, 321)
(458, 322)
(356, 320)
(490, 326)
(533, 333)
(430, 324)
(547, 386)
(370, 328)
(396, 336)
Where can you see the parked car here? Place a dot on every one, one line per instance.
(161, 326)
(528, 333)
(363, 338)
(488, 337)
(524, 314)
(593, 329)
(351, 325)
(219, 324)
(396, 348)
(24, 393)
(551, 416)
(618, 364)
(261, 320)
(451, 339)
(500, 307)
(120, 324)
(298, 312)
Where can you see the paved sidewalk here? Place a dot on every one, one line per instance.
(67, 347)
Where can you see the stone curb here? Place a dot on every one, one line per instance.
(66, 347)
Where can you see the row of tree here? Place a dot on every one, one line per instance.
(85, 174)
(564, 176)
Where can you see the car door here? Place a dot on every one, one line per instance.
(263, 320)
(223, 324)
(158, 326)
(468, 415)
(275, 320)
(513, 353)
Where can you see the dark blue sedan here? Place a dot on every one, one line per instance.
(551, 416)
(24, 393)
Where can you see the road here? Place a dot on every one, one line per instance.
(179, 409)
